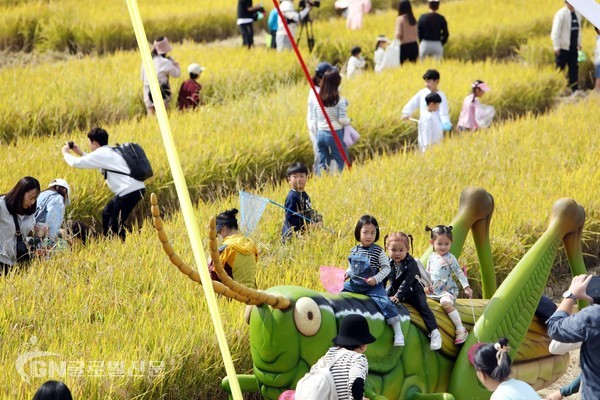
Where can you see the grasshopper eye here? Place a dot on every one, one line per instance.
(307, 316)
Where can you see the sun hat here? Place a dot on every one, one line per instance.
(195, 69)
(322, 67)
(481, 85)
(62, 183)
(354, 331)
(162, 46)
(383, 38)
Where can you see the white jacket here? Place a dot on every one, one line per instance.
(8, 238)
(417, 102)
(106, 158)
(561, 29)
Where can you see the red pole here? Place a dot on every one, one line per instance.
(311, 83)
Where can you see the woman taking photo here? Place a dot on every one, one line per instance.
(336, 107)
(16, 220)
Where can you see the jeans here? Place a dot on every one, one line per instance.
(328, 149)
(247, 34)
(117, 211)
(569, 58)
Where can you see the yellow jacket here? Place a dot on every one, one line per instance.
(240, 254)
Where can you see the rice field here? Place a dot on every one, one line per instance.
(120, 321)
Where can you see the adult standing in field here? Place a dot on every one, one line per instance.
(356, 9)
(246, 15)
(566, 40)
(433, 32)
(128, 191)
(293, 18)
(406, 32)
(313, 104)
(336, 108)
(16, 221)
(165, 66)
(583, 326)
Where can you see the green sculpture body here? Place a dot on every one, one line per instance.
(291, 327)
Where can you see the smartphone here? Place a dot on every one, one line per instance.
(593, 289)
(71, 144)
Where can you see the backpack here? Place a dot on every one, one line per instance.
(135, 157)
(318, 383)
(423, 276)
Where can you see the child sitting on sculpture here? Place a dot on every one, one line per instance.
(368, 266)
(404, 285)
(440, 266)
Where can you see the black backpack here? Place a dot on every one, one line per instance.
(135, 157)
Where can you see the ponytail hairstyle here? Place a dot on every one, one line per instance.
(399, 237)
(474, 87)
(493, 360)
(439, 230)
(404, 8)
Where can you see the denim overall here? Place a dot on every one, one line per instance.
(360, 269)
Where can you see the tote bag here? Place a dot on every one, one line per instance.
(351, 136)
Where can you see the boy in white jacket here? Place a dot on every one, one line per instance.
(417, 102)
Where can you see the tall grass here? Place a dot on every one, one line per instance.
(250, 141)
(123, 301)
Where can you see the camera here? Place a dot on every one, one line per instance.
(593, 289)
(71, 144)
(314, 3)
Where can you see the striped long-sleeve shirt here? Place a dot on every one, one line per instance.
(350, 367)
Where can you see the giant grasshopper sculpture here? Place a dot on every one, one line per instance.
(291, 326)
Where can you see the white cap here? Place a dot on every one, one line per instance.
(195, 69)
(62, 183)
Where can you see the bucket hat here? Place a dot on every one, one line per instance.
(162, 46)
(354, 331)
(62, 183)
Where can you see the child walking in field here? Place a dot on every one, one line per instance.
(368, 267)
(430, 130)
(405, 285)
(297, 203)
(379, 56)
(417, 102)
(467, 120)
(440, 265)
(356, 62)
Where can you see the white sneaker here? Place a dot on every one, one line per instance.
(436, 340)
(398, 340)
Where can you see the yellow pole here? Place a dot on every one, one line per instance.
(183, 194)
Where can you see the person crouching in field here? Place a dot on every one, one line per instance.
(189, 92)
(237, 253)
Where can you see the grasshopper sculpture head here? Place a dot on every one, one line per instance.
(290, 327)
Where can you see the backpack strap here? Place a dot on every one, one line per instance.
(18, 233)
(43, 206)
(335, 359)
(105, 170)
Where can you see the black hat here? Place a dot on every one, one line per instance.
(354, 331)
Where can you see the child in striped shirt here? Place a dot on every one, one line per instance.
(368, 267)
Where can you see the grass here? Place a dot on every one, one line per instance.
(250, 141)
(123, 301)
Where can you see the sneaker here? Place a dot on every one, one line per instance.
(398, 340)
(436, 340)
(461, 336)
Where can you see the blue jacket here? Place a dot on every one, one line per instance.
(272, 21)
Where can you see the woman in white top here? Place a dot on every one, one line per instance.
(492, 362)
(17, 205)
(165, 66)
(293, 19)
(335, 107)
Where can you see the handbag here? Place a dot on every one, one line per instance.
(24, 254)
(391, 58)
(351, 136)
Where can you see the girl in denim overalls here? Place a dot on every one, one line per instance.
(368, 267)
